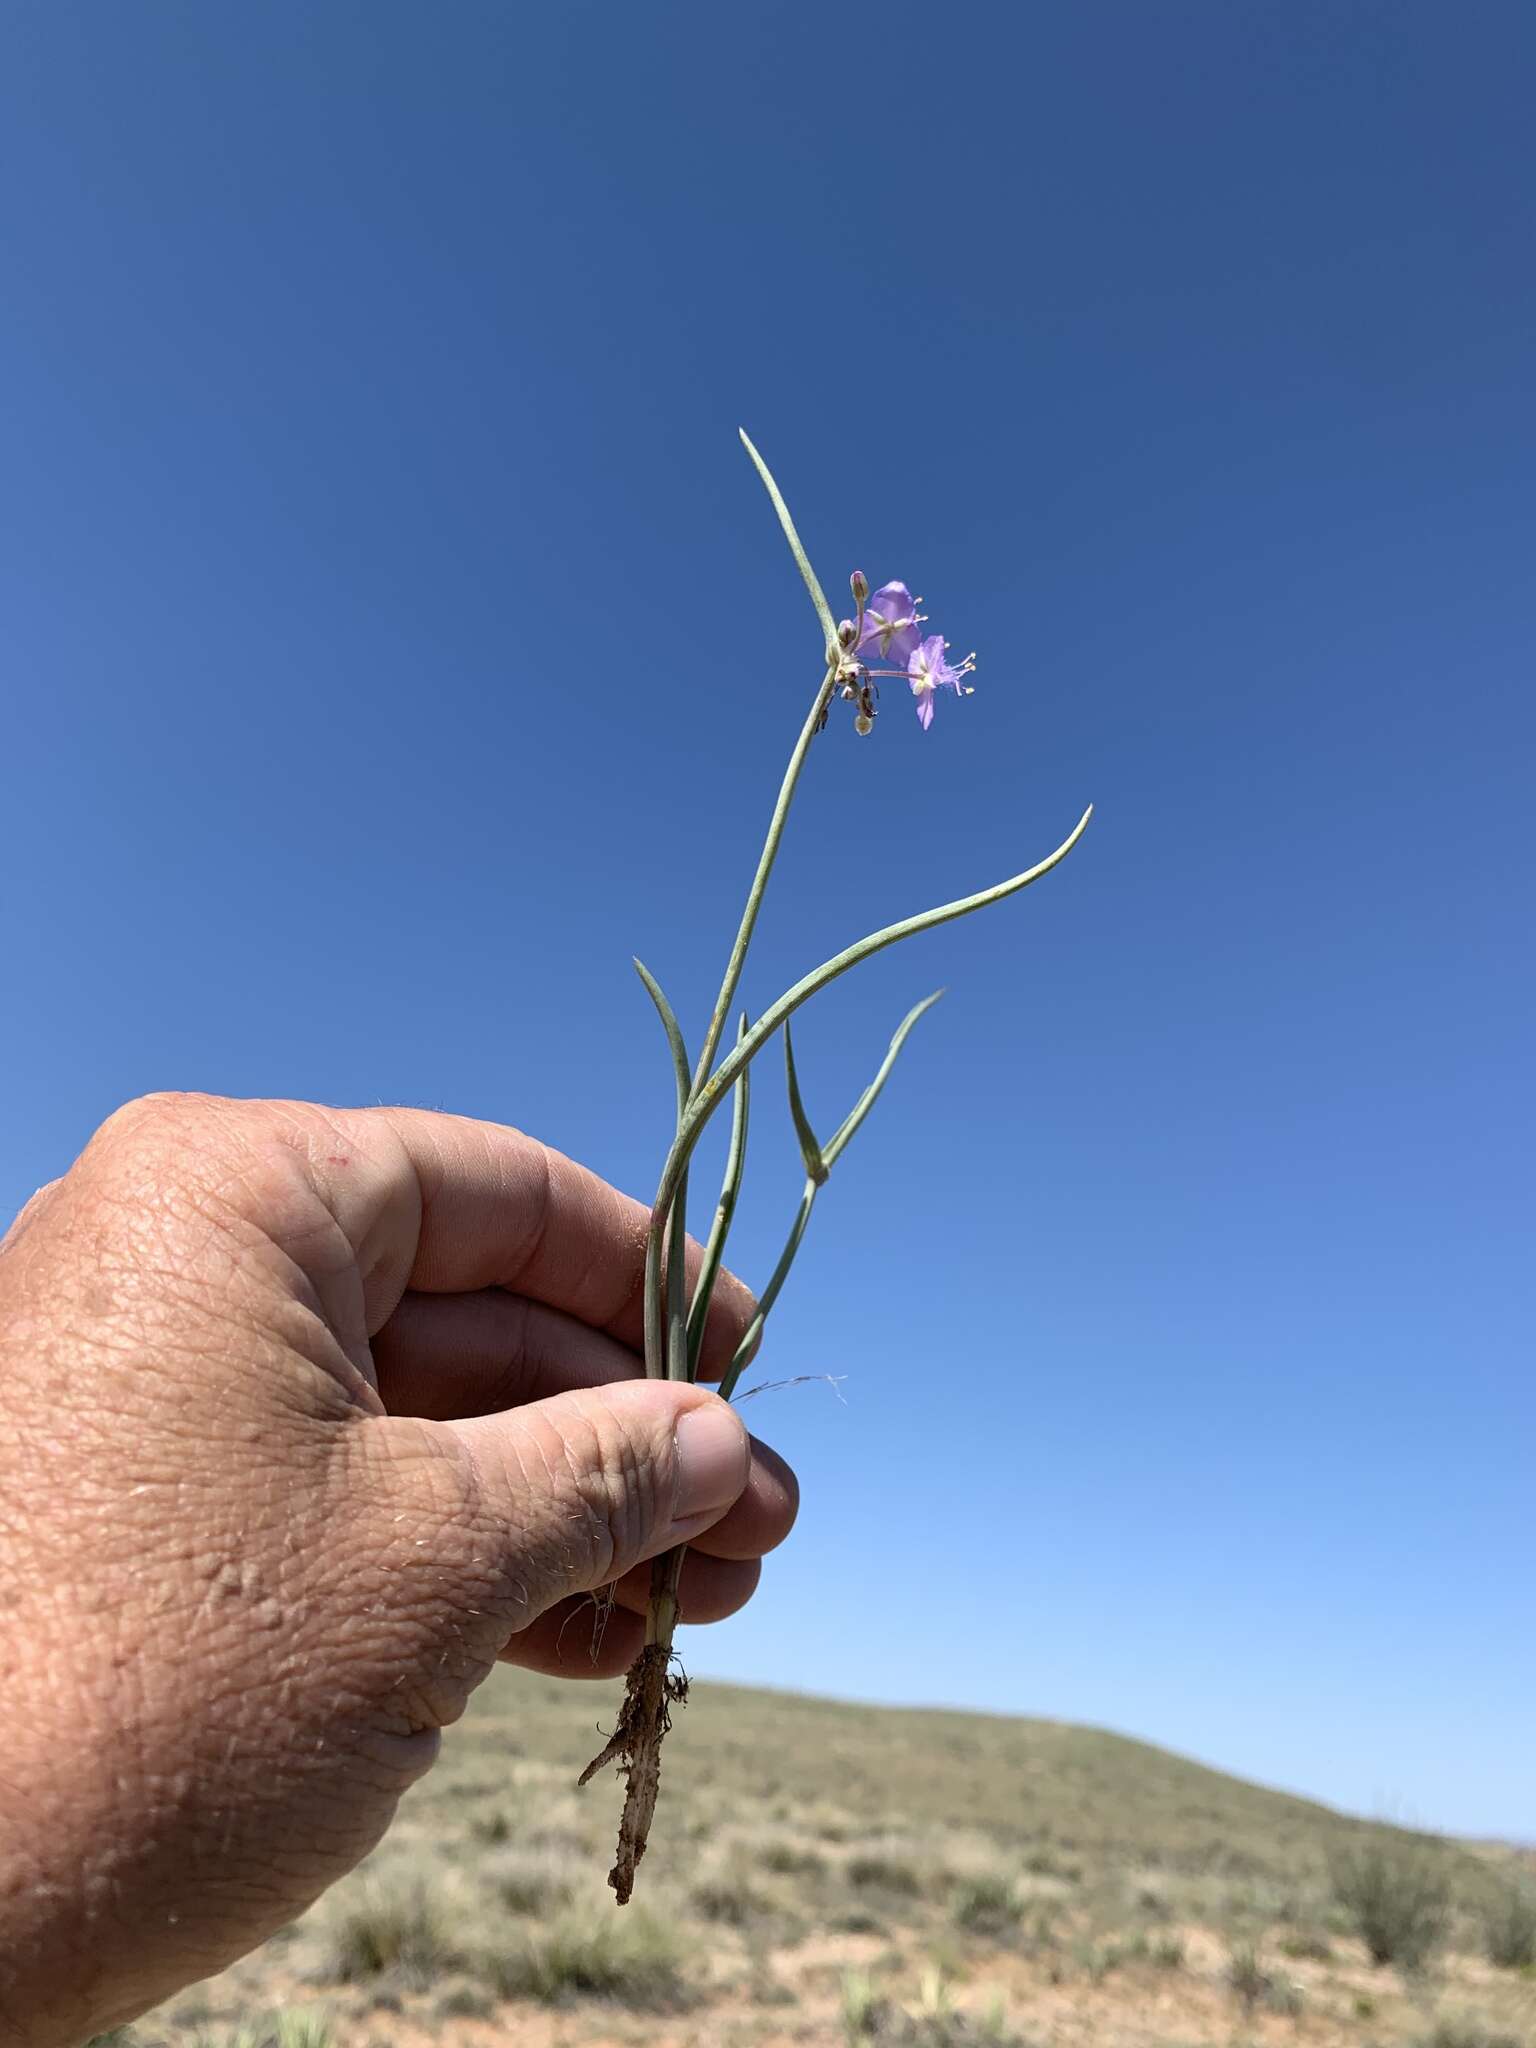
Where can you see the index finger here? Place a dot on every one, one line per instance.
(500, 1209)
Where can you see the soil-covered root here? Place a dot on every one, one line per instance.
(651, 1691)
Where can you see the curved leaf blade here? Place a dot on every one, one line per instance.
(810, 1150)
(867, 1100)
(670, 1025)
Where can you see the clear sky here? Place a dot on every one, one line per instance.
(395, 639)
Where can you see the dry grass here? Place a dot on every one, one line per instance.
(825, 1875)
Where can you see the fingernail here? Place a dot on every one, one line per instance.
(712, 1462)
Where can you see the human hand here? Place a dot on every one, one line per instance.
(307, 1417)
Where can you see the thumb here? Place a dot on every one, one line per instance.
(576, 1490)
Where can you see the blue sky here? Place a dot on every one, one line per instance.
(396, 640)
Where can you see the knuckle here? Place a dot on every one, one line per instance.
(160, 1110)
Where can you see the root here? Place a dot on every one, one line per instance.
(652, 1690)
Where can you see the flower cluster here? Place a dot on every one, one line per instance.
(889, 626)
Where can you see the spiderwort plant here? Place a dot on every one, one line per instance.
(883, 640)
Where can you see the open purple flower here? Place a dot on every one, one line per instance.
(928, 670)
(891, 620)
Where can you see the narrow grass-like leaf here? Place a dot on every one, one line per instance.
(810, 1151)
(866, 1101)
(670, 1025)
(802, 560)
(720, 1229)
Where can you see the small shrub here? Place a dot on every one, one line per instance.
(1509, 1929)
(1168, 1954)
(1041, 1934)
(985, 1905)
(1097, 1963)
(1398, 1898)
(1284, 1997)
(785, 1861)
(1306, 1947)
(1246, 1975)
(1465, 2031)
(635, 1960)
(857, 1920)
(884, 1874)
(402, 1933)
(491, 1827)
(766, 1989)
(730, 1901)
(464, 2001)
(531, 1891)
(946, 2029)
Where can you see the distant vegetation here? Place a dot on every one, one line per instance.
(834, 1876)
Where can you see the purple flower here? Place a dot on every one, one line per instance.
(891, 620)
(928, 671)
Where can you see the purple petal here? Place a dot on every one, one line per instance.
(939, 670)
(894, 599)
(925, 709)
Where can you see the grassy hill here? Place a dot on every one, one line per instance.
(831, 1874)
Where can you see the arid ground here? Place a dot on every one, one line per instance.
(826, 1874)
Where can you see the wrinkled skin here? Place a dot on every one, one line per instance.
(307, 1417)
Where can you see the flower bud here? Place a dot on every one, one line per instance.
(858, 583)
(846, 630)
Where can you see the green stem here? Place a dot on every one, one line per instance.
(677, 1284)
(658, 1355)
(770, 1293)
(661, 1610)
(765, 861)
(677, 1233)
(663, 1362)
(770, 850)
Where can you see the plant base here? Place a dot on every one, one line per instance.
(651, 1691)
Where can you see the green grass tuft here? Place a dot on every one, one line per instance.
(633, 1960)
(1509, 1929)
(884, 1874)
(986, 1905)
(1466, 2031)
(402, 1934)
(1398, 1897)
